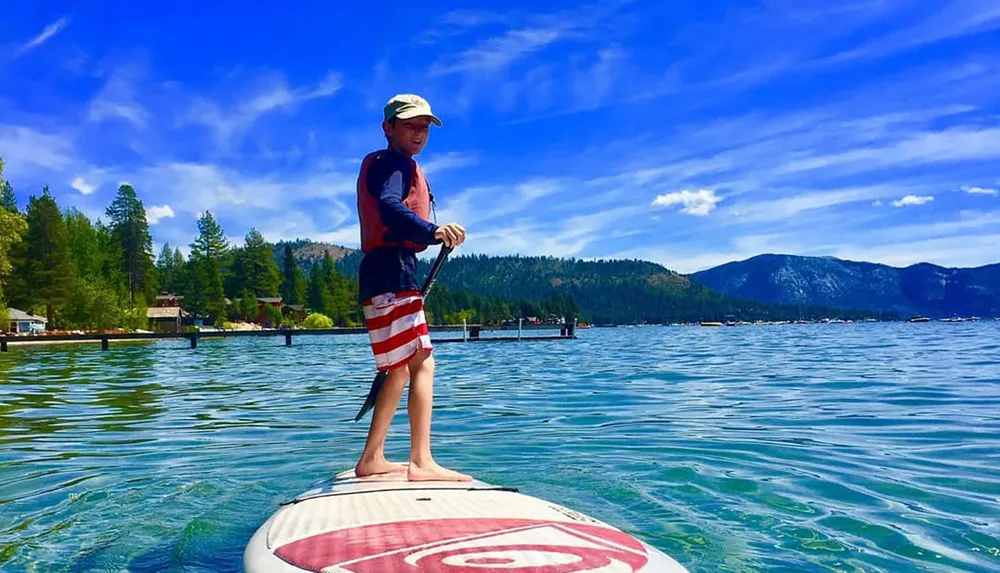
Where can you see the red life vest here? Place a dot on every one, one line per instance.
(373, 230)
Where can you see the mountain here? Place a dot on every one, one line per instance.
(308, 252)
(921, 289)
(606, 291)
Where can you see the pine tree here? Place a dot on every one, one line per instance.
(208, 253)
(8, 201)
(128, 226)
(180, 274)
(84, 244)
(248, 306)
(319, 294)
(258, 269)
(337, 303)
(293, 285)
(49, 264)
(214, 294)
(211, 241)
(166, 268)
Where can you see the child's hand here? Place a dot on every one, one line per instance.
(451, 234)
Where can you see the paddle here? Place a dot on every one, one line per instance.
(380, 377)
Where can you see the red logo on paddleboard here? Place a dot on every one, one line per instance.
(469, 546)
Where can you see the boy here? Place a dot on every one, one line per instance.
(394, 211)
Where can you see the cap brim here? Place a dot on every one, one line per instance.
(412, 114)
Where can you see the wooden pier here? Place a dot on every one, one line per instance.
(470, 333)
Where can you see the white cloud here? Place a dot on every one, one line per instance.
(913, 200)
(82, 186)
(205, 186)
(980, 190)
(954, 19)
(954, 251)
(46, 35)
(156, 213)
(233, 120)
(957, 144)
(698, 203)
(538, 188)
(118, 99)
(495, 54)
(24, 147)
(444, 161)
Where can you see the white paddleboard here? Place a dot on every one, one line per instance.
(386, 524)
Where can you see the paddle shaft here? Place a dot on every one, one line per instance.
(380, 376)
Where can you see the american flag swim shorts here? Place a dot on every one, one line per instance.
(397, 327)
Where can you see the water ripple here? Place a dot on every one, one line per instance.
(863, 447)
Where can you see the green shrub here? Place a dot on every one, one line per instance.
(317, 320)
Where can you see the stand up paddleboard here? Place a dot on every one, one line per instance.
(386, 524)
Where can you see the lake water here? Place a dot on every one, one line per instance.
(865, 447)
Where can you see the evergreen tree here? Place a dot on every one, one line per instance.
(338, 303)
(208, 253)
(319, 294)
(214, 294)
(166, 269)
(293, 285)
(211, 241)
(7, 200)
(255, 268)
(179, 273)
(127, 218)
(248, 306)
(84, 244)
(48, 261)
(89, 301)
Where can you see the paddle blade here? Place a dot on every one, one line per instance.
(372, 394)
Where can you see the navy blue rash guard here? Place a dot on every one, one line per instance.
(393, 269)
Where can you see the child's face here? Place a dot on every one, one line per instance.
(408, 135)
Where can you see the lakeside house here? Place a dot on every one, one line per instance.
(167, 318)
(167, 300)
(262, 302)
(296, 310)
(24, 323)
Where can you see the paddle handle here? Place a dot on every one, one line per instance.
(432, 275)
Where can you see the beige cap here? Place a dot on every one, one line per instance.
(407, 106)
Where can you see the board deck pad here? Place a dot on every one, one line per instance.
(384, 524)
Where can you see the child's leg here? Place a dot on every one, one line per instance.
(373, 457)
(419, 404)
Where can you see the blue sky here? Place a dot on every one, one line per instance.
(687, 133)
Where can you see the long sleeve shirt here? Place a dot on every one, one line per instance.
(393, 269)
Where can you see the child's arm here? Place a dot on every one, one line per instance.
(405, 224)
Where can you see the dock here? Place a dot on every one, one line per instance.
(469, 333)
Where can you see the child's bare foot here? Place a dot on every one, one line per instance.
(433, 472)
(380, 466)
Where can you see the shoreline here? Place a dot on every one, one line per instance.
(35, 342)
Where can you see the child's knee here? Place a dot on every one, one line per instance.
(422, 360)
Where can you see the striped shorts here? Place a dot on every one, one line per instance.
(397, 327)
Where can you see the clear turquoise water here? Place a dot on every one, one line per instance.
(864, 447)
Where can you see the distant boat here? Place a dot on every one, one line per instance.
(705, 323)
(919, 319)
